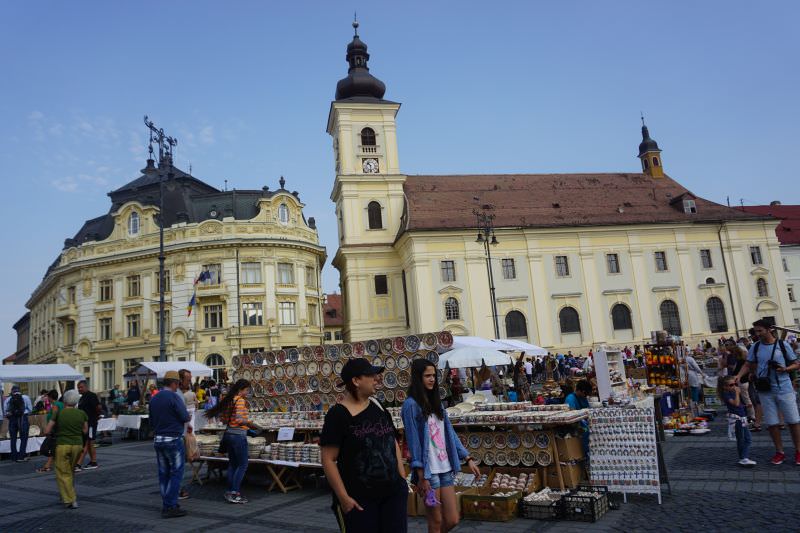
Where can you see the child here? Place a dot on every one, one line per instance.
(737, 417)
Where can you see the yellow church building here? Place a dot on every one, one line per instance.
(577, 260)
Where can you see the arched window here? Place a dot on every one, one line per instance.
(217, 363)
(368, 137)
(451, 309)
(621, 317)
(670, 318)
(569, 320)
(716, 315)
(283, 213)
(655, 161)
(374, 215)
(646, 164)
(761, 287)
(516, 326)
(710, 281)
(133, 224)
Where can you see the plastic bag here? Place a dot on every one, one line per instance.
(192, 450)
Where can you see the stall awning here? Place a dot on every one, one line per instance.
(27, 373)
(157, 369)
(463, 341)
(516, 345)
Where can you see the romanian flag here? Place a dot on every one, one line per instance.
(205, 275)
(192, 302)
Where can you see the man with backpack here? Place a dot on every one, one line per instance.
(17, 408)
(773, 360)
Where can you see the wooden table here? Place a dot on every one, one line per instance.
(284, 474)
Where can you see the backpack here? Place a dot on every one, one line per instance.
(16, 406)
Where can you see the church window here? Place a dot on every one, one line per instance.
(283, 213)
(368, 137)
(670, 317)
(562, 266)
(381, 284)
(646, 164)
(133, 224)
(569, 321)
(621, 317)
(374, 215)
(761, 287)
(451, 309)
(448, 271)
(716, 315)
(655, 161)
(516, 325)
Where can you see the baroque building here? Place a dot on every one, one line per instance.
(577, 259)
(97, 307)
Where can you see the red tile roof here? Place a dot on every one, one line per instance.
(554, 200)
(333, 316)
(788, 231)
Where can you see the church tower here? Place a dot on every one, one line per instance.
(369, 199)
(650, 155)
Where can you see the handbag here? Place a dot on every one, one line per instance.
(762, 382)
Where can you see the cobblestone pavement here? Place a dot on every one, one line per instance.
(709, 492)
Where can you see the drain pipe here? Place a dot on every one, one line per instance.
(727, 279)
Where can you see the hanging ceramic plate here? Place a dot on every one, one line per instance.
(339, 397)
(462, 437)
(377, 361)
(433, 357)
(280, 373)
(390, 379)
(403, 362)
(501, 458)
(236, 361)
(544, 458)
(528, 440)
(542, 440)
(312, 368)
(389, 395)
(488, 440)
(381, 397)
(302, 385)
(512, 441)
(258, 359)
(316, 399)
(338, 385)
(325, 385)
(347, 350)
(257, 374)
(412, 343)
(474, 441)
(442, 392)
(313, 383)
(307, 352)
(390, 363)
(269, 388)
(403, 378)
(333, 352)
(281, 357)
(262, 404)
(399, 344)
(269, 358)
(528, 458)
(429, 341)
(294, 355)
(400, 395)
(247, 374)
(290, 371)
(255, 386)
(478, 456)
(236, 375)
(291, 386)
(500, 441)
(513, 458)
(326, 368)
(300, 369)
(488, 458)
(359, 349)
(266, 373)
(386, 346)
(319, 353)
(337, 368)
(280, 387)
(445, 340)
(291, 402)
(246, 360)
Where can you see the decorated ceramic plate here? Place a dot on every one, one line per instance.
(247, 374)
(269, 358)
(513, 458)
(316, 399)
(339, 397)
(433, 357)
(302, 385)
(390, 363)
(347, 350)
(386, 346)
(337, 367)
(528, 440)
(290, 371)
(266, 373)
(326, 368)
(500, 441)
(283, 403)
(380, 396)
(307, 352)
(403, 362)
(442, 392)
(377, 361)
(313, 383)
(412, 343)
(542, 440)
(390, 379)
(258, 359)
(474, 441)
(400, 395)
(372, 347)
(478, 456)
(281, 357)
(445, 339)
(236, 375)
(359, 349)
(270, 388)
(389, 395)
(403, 378)
(544, 458)
(256, 387)
(325, 385)
(257, 374)
(488, 440)
(512, 441)
(312, 368)
(488, 458)
(246, 360)
(300, 369)
(280, 373)
(463, 438)
(280, 387)
(528, 458)
(291, 386)
(319, 353)
(332, 351)
(294, 355)
(399, 344)
(338, 385)
(501, 458)
(429, 341)
(236, 361)
(262, 404)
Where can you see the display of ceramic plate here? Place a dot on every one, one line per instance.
(236, 361)
(294, 355)
(262, 403)
(347, 350)
(292, 402)
(300, 370)
(500, 441)
(390, 363)
(319, 353)
(339, 397)
(544, 458)
(312, 368)
(326, 368)
(302, 385)
(445, 340)
(307, 352)
(386, 346)
(528, 458)
(390, 379)
(290, 371)
(316, 399)
(372, 347)
(512, 441)
(474, 441)
(359, 349)
(488, 458)
(403, 362)
(389, 395)
(399, 344)
(412, 343)
(403, 378)
(269, 358)
(246, 360)
(325, 385)
(377, 361)
(280, 357)
(528, 440)
(236, 375)
(313, 383)
(266, 373)
(501, 458)
(338, 385)
(400, 395)
(258, 359)
(270, 388)
(380, 396)
(280, 373)
(257, 374)
(478, 456)
(280, 387)
(283, 403)
(429, 341)
(291, 386)
(513, 458)
(442, 392)
(463, 438)
(542, 440)
(488, 440)
(247, 374)
(433, 357)
(337, 367)
(256, 387)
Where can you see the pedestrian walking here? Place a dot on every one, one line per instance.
(55, 407)
(361, 457)
(70, 426)
(436, 452)
(167, 416)
(17, 407)
(89, 404)
(729, 393)
(529, 370)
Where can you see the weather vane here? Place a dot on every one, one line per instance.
(166, 144)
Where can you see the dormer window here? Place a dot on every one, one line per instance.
(283, 214)
(133, 224)
(689, 207)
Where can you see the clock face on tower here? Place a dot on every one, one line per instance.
(369, 165)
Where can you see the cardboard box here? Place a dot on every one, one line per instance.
(572, 473)
(569, 449)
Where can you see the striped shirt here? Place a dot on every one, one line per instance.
(238, 418)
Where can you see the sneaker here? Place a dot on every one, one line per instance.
(236, 498)
(77, 468)
(747, 463)
(778, 458)
(183, 494)
(229, 497)
(241, 498)
(90, 466)
(73, 505)
(175, 512)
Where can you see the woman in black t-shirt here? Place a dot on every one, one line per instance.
(361, 457)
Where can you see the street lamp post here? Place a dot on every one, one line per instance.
(486, 236)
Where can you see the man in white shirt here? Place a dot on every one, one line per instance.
(529, 370)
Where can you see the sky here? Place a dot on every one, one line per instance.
(486, 87)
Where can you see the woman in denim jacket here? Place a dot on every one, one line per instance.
(436, 452)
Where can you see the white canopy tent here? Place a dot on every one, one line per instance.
(473, 357)
(38, 373)
(513, 344)
(473, 342)
(157, 369)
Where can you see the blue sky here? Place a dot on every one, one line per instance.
(495, 87)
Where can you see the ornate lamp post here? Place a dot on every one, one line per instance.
(486, 236)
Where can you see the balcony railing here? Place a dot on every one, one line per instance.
(372, 149)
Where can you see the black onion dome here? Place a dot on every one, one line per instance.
(647, 144)
(359, 82)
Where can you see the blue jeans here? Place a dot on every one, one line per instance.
(18, 425)
(237, 457)
(439, 481)
(170, 457)
(743, 440)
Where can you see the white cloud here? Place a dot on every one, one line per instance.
(67, 184)
(206, 135)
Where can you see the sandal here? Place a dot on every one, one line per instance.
(756, 429)
(43, 469)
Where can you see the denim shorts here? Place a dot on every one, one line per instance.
(774, 401)
(445, 479)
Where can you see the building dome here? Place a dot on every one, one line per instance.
(647, 144)
(359, 83)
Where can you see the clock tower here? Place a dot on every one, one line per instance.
(369, 199)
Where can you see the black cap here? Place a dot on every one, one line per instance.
(359, 367)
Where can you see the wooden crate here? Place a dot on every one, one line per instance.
(570, 449)
(516, 471)
(481, 505)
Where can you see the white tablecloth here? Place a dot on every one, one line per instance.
(106, 424)
(34, 443)
(130, 421)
